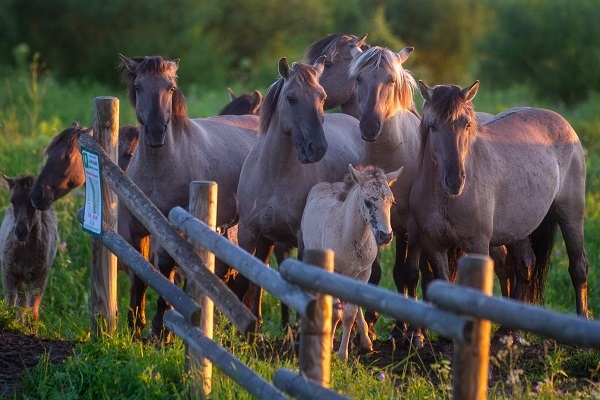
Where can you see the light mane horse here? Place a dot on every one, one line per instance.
(28, 244)
(174, 150)
(493, 184)
(352, 218)
(299, 146)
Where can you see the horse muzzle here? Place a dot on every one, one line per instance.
(155, 135)
(382, 238)
(370, 130)
(21, 232)
(311, 153)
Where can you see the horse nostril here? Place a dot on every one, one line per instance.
(383, 237)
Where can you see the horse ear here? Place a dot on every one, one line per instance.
(361, 41)
(8, 180)
(404, 53)
(130, 64)
(392, 176)
(232, 95)
(284, 68)
(174, 65)
(425, 91)
(256, 99)
(355, 50)
(357, 176)
(471, 91)
(74, 124)
(320, 64)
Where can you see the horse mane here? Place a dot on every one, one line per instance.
(329, 45)
(370, 171)
(447, 103)
(378, 57)
(303, 73)
(156, 65)
(67, 136)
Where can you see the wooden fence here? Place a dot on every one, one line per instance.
(461, 312)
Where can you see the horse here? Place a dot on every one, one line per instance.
(28, 244)
(63, 170)
(299, 146)
(482, 185)
(174, 150)
(246, 103)
(352, 218)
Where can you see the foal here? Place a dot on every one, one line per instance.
(28, 243)
(353, 219)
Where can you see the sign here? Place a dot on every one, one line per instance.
(92, 217)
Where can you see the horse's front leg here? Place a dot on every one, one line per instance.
(136, 314)
(158, 332)
(264, 249)
(371, 316)
(283, 251)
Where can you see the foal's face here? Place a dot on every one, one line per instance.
(24, 213)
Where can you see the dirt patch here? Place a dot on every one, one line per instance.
(19, 353)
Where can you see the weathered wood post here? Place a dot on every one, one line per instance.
(104, 263)
(471, 360)
(203, 205)
(315, 331)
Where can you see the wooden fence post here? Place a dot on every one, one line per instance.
(315, 330)
(202, 205)
(104, 263)
(471, 360)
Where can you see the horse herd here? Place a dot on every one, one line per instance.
(448, 181)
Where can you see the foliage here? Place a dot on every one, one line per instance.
(553, 45)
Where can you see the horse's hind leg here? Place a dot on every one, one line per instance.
(264, 249)
(371, 316)
(282, 252)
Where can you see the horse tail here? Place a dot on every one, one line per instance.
(542, 242)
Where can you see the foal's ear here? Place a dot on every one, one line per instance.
(356, 175)
(9, 181)
(425, 91)
(392, 176)
(284, 68)
(471, 91)
(361, 41)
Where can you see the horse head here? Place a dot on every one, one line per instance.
(24, 213)
(382, 86)
(335, 79)
(378, 198)
(152, 84)
(63, 170)
(449, 126)
(300, 108)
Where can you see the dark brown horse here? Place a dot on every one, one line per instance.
(246, 103)
(482, 185)
(63, 170)
(173, 151)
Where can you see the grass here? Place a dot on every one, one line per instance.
(34, 108)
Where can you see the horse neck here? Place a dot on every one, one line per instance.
(350, 107)
(397, 144)
(177, 145)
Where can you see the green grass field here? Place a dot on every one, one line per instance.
(34, 109)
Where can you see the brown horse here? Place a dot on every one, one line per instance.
(482, 185)
(246, 103)
(352, 218)
(63, 170)
(28, 244)
(299, 146)
(173, 151)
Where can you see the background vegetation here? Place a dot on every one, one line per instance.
(58, 56)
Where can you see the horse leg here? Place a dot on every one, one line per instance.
(158, 332)
(371, 316)
(503, 269)
(282, 252)
(348, 318)
(365, 341)
(136, 314)
(336, 317)
(411, 333)
(399, 274)
(264, 249)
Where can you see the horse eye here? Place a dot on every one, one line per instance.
(469, 125)
(173, 89)
(392, 83)
(433, 127)
(358, 80)
(291, 100)
(136, 88)
(328, 64)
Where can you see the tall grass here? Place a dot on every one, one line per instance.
(34, 108)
